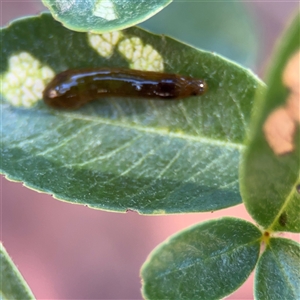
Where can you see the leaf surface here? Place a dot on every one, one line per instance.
(277, 275)
(13, 285)
(207, 261)
(270, 182)
(116, 154)
(101, 16)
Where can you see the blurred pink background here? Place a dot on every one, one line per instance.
(68, 251)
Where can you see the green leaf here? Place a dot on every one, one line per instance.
(101, 16)
(225, 27)
(206, 261)
(116, 154)
(277, 275)
(270, 173)
(13, 285)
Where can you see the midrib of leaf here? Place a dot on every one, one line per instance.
(285, 203)
(158, 131)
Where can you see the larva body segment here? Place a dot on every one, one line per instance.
(73, 88)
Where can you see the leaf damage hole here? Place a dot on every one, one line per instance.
(280, 126)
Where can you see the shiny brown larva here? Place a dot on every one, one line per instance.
(73, 88)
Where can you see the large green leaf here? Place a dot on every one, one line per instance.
(13, 285)
(118, 154)
(207, 261)
(271, 177)
(225, 27)
(101, 16)
(277, 274)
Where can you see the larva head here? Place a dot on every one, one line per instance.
(197, 87)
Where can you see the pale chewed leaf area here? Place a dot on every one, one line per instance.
(105, 9)
(280, 126)
(25, 80)
(140, 56)
(104, 43)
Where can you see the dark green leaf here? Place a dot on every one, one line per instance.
(225, 27)
(13, 285)
(271, 167)
(118, 154)
(207, 261)
(277, 274)
(101, 16)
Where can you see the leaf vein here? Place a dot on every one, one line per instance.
(137, 163)
(158, 131)
(109, 154)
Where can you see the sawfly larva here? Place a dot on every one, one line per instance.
(73, 88)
